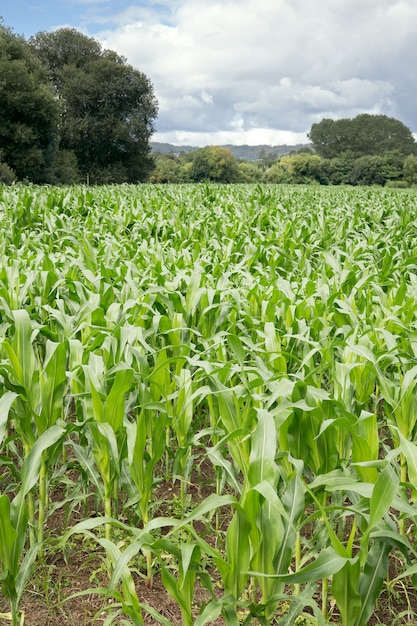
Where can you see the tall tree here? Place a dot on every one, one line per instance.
(28, 111)
(361, 136)
(108, 107)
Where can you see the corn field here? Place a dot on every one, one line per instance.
(250, 350)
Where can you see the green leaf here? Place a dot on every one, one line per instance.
(371, 580)
(293, 501)
(115, 401)
(109, 436)
(19, 521)
(193, 292)
(217, 458)
(189, 552)
(52, 382)
(31, 465)
(171, 585)
(383, 493)
(409, 380)
(26, 570)
(160, 619)
(98, 406)
(298, 603)
(409, 450)
(327, 563)
(237, 348)
(23, 347)
(262, 466)
(86, 459)
(6, 402)
(238, 552)
(208, 505)
(143, 535)
(345, 585)
(210, 613)
(8, 536)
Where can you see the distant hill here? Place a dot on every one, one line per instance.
(246, 153)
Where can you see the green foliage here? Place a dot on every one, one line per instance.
(29, 111)
(279, 173)
(339, 169)
(16, 560)
(307, 168)
(64, 169)
(368, 170)
(410, 170)
(72, 111)
(248, 172)
(107, 106)
(168, 169)
(7, 175)
(213, 164)
(362, 136)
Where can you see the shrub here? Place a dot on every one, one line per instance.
(397, 184)
(7, 175)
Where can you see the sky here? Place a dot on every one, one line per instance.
(250, 71)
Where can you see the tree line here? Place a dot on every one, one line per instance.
(367, 150)
(72, 111)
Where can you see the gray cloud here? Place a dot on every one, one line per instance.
(242, 69)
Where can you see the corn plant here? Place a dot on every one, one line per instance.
(16, 564)
(104, 405)
(146, 445)
(39, 389)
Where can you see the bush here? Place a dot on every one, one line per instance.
(410, 170)
(64, 170)
(7, 175)
(397, 184)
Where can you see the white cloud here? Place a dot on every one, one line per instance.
(242, 69)
(206, 97)
(253, 137)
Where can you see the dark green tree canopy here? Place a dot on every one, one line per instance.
(108, 107)
(63, 48)
(28, 111)
(361, 136)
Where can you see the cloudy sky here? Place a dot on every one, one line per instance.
(251, 71)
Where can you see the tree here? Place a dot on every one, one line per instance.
(308, 168)
(213, 163)
(394, 164)
(369, 170)
(266, 159)
(28, 111)
(339, 169)
(279, 172)
(168, 169)
(362, 136)
(298, 168)
(249, 172)
(108, 107)
(410, 170)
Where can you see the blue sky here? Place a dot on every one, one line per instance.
(250, 71)
(29, 17)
